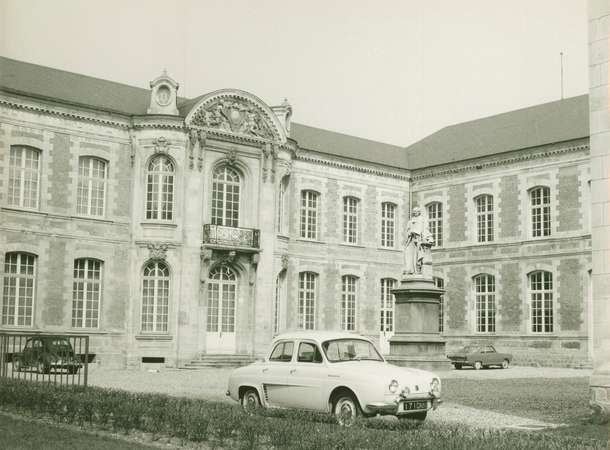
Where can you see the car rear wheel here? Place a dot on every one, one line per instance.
(478, 365)
(458, 366)
(418, 416)
(250, 401)
(42, 368)
(505, 364)
(346, 409)
(17, 367)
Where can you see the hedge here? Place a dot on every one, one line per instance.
(226, 424)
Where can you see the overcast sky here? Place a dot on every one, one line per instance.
(393, 71)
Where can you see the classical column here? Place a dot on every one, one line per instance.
(599, 120)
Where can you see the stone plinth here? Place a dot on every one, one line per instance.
(417, 341)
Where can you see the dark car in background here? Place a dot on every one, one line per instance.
(47, 353)
(480, 357)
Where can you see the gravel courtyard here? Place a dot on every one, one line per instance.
(211, 384)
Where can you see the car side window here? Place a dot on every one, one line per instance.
(309, 353)
(488, 349)
(282, 352)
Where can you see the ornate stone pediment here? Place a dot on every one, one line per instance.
(238, 113)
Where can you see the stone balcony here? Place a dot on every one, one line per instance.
(231, 238)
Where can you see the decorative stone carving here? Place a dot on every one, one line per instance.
(192, 143)
(284, 262)
(227, 257)
(254, 262)
(161, 145)
(266, 149)
(157, 251)
(202, 137)
(418, 244)
(163, 95)
(232, 157)
(274, 154)
(134, 143)
(235, 115)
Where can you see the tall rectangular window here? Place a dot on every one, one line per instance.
(155, 297)
(440, 283)
(348, 302)
(541, 301)
(307, 300)
(86, 293)
(19, 289)
(435, 222)
(160, 189)
(485, 303)
(540, 204)
(281, 206)
(23, 177)
(91, 192)
(485, 218)
(309, 215)
(387, 305)
(225, 197)
(350, 220)
(388, 224)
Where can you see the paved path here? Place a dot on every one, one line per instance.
(211, 384)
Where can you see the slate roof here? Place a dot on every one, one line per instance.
(547, 123)
(528, 127)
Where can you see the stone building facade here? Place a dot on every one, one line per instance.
(172, 228)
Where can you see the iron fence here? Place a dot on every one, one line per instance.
(48, 358)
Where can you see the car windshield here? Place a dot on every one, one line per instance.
(339, 350)
(467, 349)
(60, 344)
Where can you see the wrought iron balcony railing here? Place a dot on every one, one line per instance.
(230, 236)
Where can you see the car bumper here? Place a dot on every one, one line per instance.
(394, 408)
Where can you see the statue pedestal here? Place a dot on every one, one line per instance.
(417, 341)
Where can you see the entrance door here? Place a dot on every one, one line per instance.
(222, 296)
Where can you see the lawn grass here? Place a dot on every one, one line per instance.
(16, 434)
(555, 400)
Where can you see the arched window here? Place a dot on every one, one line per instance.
(540, 208)
(348, 302)
(485, 303)
(160, 189)
(308, 282)
(281, 206)
(309, 214)
(386, 318)
(23, 177)
(86, 293)
(485, 218)
(225, 197)
(435, 222)
(541, 301)
(350, 220)
(91, 192)
(155, 297)
(222, 296)
(280, 286)
(19, 289)
(440, 283)
(388, 224)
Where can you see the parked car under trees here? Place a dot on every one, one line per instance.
(339, 373)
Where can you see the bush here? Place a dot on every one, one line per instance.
(200, 420)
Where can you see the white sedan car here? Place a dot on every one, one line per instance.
(339, 373)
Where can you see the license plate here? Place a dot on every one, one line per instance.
(415, 405)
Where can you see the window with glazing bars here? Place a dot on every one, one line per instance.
(350, 220)
(86, 293)
(19, 289)
(348, 302)
(222, 295)
(309, 215)
(440, 283)
(307, 300)
(91, 191)
(155, 297)
(541, 301)
(225, 197)
(23, 177)
(485, 218)
(387, 305)
(485, 303)
(540, 203)
(388, 224)
(435, 222)
(160, 189)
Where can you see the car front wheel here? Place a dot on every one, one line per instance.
(505, 364)
(250, 401)
(346, 409)
(478, 365)
(458, 366)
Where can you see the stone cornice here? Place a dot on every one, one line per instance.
(502, 160)
(316, 158)
(158, 122)
(54, 108)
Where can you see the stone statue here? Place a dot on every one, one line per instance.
(418, 243)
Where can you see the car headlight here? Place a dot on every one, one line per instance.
(393, 386)
(405, 392)
(435, 387)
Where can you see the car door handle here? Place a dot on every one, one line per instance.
(292, 371)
